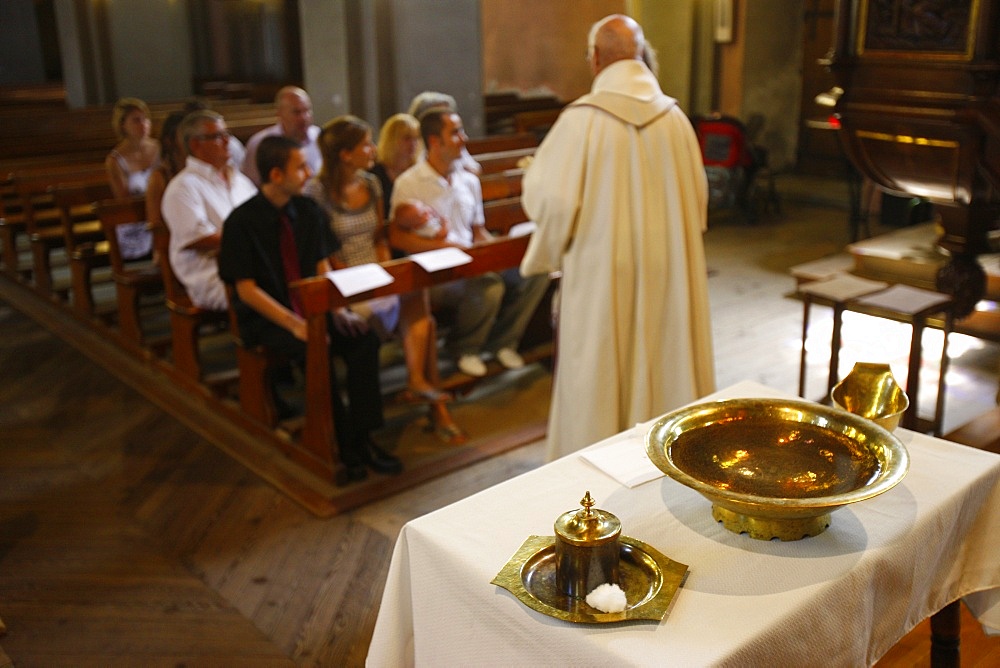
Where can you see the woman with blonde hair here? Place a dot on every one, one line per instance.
(353, 199)
(136, 154)
(397, 151)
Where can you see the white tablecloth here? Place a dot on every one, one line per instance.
(842, 598)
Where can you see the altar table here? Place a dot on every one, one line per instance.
(842, 598)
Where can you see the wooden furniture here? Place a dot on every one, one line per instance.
(920, 116)
(499, 185)
(255, 364)
(133, 279)
(25, 197)
(317, 450)
(897, 303)
(502, 160)
(846, 595)
(495, 143)
(503, 214)
(186, 319)
(44, 219)
(83, 239)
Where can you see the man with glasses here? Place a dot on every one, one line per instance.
(196, 203)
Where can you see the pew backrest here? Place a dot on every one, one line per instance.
(115, 212)
(75, 203)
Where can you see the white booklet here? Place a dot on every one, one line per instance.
(442, 258)
(358, 279)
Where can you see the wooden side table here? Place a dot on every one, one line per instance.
(899, 303)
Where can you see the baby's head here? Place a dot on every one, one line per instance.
(414, 214)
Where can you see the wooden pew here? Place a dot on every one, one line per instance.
(501, 185)
(43, 220)
(503, 214)
(497, 143)
(14, 224)
(133, 279)
(255, 364)
(503, 160)
(501, 109)
(186, 320)
(537, 123)
(83, 239)
(317, 448)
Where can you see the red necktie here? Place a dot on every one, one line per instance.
(289, 258)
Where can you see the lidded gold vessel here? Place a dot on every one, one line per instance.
(587, 549)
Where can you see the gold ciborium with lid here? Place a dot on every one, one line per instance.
(587, 549)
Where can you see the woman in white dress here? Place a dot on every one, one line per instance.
(129, 165)
(136, 154)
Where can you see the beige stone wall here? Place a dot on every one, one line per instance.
(540, 45)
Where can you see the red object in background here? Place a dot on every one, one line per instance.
(723, 142)
(834, 121)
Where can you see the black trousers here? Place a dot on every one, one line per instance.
(362, 413)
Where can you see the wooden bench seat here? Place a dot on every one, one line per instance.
(35, 199)
(79, 226)
(133, 279)
(187, 321)
(317, 448)
(500, 161)
(503, 214)
(501, 185)
(498, 143)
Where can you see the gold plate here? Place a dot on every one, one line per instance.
(776, 468)
(649, 580)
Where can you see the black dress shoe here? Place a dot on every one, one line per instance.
(381, 461)
(351, 473)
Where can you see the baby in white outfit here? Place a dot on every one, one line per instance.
(420, 219)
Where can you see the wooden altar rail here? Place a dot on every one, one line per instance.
(317, 449)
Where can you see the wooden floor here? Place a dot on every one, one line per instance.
(127, 539)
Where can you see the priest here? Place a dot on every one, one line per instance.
(619, 193)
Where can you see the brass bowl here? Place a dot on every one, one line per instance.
(776, 468)
(870, 390)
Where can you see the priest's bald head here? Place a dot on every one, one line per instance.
(613, 38)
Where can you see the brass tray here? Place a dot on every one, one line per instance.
(649, 580)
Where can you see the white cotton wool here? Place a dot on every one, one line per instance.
(607, 598)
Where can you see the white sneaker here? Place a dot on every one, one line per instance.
(509, 358)
(471, 365)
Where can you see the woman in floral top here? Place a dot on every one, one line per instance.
(353, 199)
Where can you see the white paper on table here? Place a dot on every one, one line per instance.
(361, 278)
(442, 258)
(906, 299)
(624, 458)
(522, 229)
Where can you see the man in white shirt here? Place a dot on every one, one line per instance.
(491, 310)
(195, 204)
(295, 121)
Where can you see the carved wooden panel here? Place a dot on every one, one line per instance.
(939, 29)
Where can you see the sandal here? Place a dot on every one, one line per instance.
(429, 396)
(450, 433)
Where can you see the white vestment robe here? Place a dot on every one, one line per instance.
(619, 193)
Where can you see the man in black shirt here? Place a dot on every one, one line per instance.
(279, 236)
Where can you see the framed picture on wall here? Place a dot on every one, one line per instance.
(927, 30)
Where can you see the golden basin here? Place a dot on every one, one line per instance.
(870, 390)
(776, 468)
